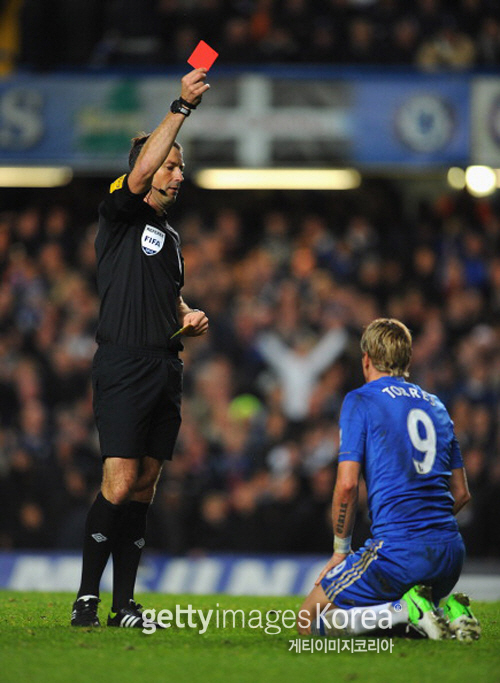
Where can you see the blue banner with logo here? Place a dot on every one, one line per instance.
(83, 121)
(251, 119)
(416, 121)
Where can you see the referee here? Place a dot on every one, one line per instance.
(137, 373)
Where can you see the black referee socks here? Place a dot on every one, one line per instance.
(102, 525)
(126, 549)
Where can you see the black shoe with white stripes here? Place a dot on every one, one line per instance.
(129, 617)
(85, 611)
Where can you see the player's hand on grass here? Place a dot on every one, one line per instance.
(194, 324)
(193, 86)
(334, 560)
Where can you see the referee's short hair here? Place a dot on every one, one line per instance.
(138, 143)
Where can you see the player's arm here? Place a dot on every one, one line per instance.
(194, 320)
(459, 489)
(344, 504)
(458, 480)
(159, 143)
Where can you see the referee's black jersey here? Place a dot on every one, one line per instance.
(140, 272)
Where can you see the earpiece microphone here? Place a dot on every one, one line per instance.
(159, 190)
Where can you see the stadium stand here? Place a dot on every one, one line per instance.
(249, 474)
(431, 33)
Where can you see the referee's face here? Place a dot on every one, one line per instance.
(168, 178)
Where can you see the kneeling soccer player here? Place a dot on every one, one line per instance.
(402, 439)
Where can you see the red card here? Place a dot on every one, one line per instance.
(203, 56)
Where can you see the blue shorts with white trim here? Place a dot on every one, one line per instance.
(383, 570)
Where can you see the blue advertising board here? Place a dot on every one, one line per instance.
(397, 119)
(414, 122)
(265, 575)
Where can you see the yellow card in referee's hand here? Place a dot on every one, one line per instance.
(181, 331)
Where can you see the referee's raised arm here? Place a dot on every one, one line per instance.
(160, 142)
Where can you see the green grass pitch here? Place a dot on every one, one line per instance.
(37, 645)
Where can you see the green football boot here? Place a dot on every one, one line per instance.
(423, 617)
(462, 623)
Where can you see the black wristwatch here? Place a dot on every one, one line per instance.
(180, 106)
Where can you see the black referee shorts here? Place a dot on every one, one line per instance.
(137, 401)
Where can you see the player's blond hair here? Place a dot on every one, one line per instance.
(388, 343)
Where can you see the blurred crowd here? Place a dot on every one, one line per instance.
(431, 34)
(288, 281)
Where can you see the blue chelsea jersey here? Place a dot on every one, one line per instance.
(404, 440)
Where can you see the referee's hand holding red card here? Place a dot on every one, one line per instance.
(193, 86)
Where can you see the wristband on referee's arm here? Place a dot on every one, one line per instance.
(182, 106)
(178, 107)
(187, 104)
(342, 545)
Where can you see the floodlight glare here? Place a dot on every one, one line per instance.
(456, 178)
(35, 176)
(480, 180)
(278, 179)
